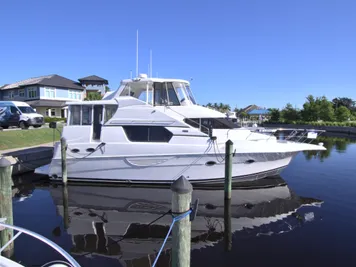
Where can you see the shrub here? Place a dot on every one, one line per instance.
(51, 119)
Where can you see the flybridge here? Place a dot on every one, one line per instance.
(156, 91)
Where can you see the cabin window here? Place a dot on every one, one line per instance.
(109, 112)
(74, 115)
(147, 134)
(215, 123)
(87, 115)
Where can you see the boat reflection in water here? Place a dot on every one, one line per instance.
(113, 221)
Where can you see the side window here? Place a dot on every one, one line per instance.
(147, 134)
(74, 115)
(109, 112)
(86, 115)
(13, 110)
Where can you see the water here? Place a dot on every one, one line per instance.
(305, 218)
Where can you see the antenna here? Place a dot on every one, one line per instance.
(150, 63)
(137, 53)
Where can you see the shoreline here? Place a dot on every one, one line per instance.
(343, 130)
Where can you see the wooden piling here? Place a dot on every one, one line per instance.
(181, 200)
(227, 195)
(6, 205)
(64, 160)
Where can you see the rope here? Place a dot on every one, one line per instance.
(175, 219)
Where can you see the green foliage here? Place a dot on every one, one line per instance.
(325, 109)
(342, 113)
(50, 119)
(243, 114)
(344, 101)
(290, 114)
(93, 96)
(219, 107)
(275, 114)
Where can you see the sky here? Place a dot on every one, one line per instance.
(237, 52)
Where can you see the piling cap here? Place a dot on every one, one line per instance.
(182, 186)
(4, 163)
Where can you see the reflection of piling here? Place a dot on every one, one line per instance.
(64, 160)
(6, 205)
(65, 207)
(227, 196)
(181, 200)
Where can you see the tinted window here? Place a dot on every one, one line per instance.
(147, 134)
(13, 110)
(86, 115)
(74, 115)
(109, 112)
(214, 123)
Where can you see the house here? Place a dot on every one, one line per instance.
(48, 94)
(93, 83)
(256, 112)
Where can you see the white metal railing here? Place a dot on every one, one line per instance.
(295, 134)
(21, 230)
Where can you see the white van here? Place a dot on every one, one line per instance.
(21, 114)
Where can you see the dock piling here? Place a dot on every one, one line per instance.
(227, 195)
(181, 200)
(64, 160)
(6, 205)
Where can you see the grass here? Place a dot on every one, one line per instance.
(26, 138)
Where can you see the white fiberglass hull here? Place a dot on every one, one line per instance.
(165, 169)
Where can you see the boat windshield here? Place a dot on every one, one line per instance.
(191, 97)
(183, 92)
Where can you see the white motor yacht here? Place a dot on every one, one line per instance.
(151, 130)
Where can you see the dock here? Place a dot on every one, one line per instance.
(28, 159)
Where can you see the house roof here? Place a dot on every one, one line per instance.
(48, 80)
(258, 112)
(250, 107)
(93, 78)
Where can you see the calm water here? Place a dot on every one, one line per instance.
(307, 218)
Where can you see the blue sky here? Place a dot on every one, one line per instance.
(238, 52)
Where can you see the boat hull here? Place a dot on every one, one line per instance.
(198, 169)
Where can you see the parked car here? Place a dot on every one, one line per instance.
(19, 114)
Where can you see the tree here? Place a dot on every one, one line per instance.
(289, 113)
(243, 114)
(310, 110)
(107, 89)
(275, 114)
(326, 110)
(93, 96)
(344, 101)
(342, 113)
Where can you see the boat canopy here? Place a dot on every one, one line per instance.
(156, 91)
